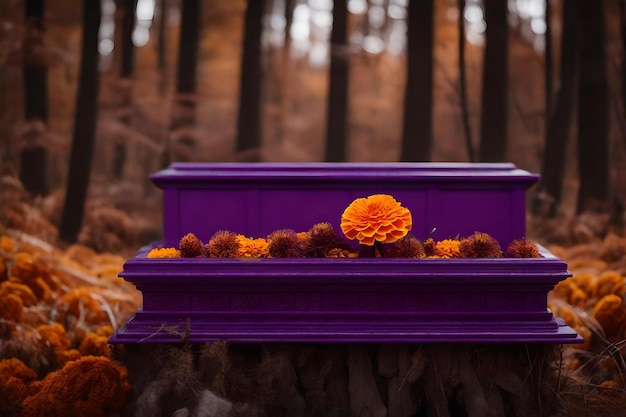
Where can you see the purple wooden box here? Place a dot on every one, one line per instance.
(343, 300)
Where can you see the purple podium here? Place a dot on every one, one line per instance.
(343, 300)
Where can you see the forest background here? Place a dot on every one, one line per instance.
(141, 83)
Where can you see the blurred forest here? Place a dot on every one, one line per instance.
(94, 99)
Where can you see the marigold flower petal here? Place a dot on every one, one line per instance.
(378, 217)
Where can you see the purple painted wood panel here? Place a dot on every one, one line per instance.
(256, 199)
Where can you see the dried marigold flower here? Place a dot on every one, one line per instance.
(407, 247)
(191, 247)
(223, 244)
(81, 304)
(377, 218)
(27, 268)
(252, 248)
(23, 291)
(610, 313)
(95, 345)
(284, 243)
(337, 253)
(322, 238)
(523, 248)
(480, 245)
(609, 282)
(15, 379)
(11, 308)
(447, 248)
(7, 243)
(90, 386)
(164, 253)
(429, 247)
(54, 336)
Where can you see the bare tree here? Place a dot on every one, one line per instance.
(593, 122)
(559, 120)
(184, 109)
(337, 108)
(34, 152)
(417, 129)
(249, 117)
(467, 129)
(494, 115)
(85, 119)
(128, 8)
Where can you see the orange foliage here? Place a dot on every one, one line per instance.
(15, 379)
(611, 314)
(90, 386)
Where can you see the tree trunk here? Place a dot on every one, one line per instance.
(85, 119)
(129, 8)
(34, 153)
(249, 117)
(337, 108)
(622, 16)
(593, 121)
(417, 127)
(494, 116)
(467, 129)
(184, 109)
(559, 120)
(290, 5)
(548, 64)
(161, 47)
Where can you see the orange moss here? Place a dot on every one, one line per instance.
(164, 253)
(61, 357)
(90, 386)
(479, 245)
(191, 247)
(377, 218)
(584, 280)
(106, 331)
(447, 248)
(15, 380)
(34, 273)
(609, 312)
(54, 336)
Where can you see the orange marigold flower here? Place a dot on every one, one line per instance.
(523, 248)
(447, 248)
(377, 218)
(164, 253)
(95, 345)
(11, 308)
(81, 304)
(609, 282)
(23, 291)
(610, 313)
(4, 270)
(252, 248)
(15, 379)
(90, 386)
(7, 243)
(54, 336)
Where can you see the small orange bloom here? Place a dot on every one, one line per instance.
(377, 218)
(448, 248)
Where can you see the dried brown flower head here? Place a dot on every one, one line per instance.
(223, 244)
(321, 239)
(480, 245)
(523, 248)
(429, 247)
(407, 247)
(284, 243)
(191, 247)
